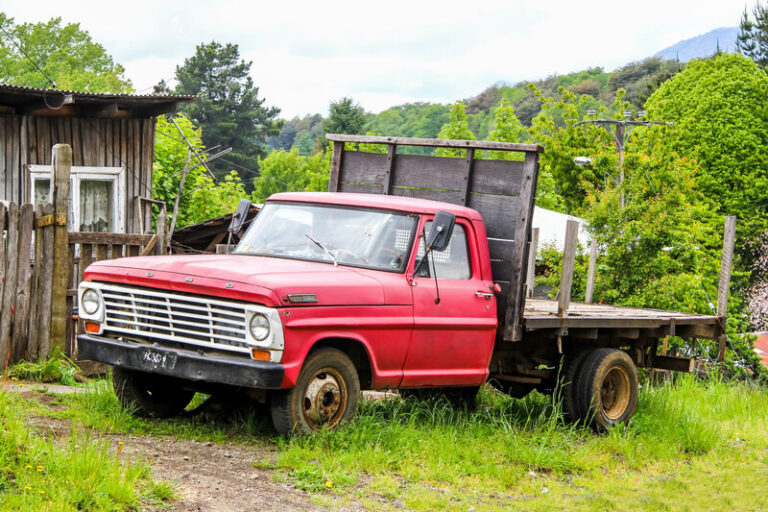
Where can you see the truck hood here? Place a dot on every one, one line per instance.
(244, 277)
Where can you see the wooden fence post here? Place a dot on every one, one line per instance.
(3, 216)
(34, 313)
(9, 299)
(45, 288)
(62, 165)
(591, 272)
(569, 261)
(531, 270)
(729, 236)
(162, 232)
(19, 338)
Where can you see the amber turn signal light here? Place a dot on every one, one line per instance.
(92, 327)
(260, 355)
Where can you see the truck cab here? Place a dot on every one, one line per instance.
(326, 293)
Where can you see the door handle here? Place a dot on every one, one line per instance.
(484, 294)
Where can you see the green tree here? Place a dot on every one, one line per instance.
(506, 128)
(344, 116)
(201, 198)
(457, 127)
(752, 39)
(567, 186)
(65, 53)
(720, 113)
(304, 143)
(228, 107)
(288, 171)
(661, 249)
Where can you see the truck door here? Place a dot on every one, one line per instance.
(453, 338)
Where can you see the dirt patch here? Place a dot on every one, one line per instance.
(210, 477)
(215, 477)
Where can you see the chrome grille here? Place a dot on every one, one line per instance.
(172, 317)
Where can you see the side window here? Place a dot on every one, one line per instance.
(452, 263)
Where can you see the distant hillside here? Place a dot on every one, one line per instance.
(703, 45)
(638, 79)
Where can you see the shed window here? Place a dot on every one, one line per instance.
(95, 203)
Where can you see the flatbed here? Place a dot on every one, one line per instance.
(541, 314)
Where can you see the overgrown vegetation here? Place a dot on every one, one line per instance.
(689, 438)
(518, 453)
(56, 368)
(202, 197)
(80, 473)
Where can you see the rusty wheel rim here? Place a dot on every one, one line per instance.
(615, 392)
(324, 400)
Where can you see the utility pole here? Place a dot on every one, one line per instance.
(621, 130)
(190, 151)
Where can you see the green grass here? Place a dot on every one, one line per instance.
(101, 409)
(56, 368)
(687, 439)
(693, 445)
(80, 473)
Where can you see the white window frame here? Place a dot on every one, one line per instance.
(114, 174)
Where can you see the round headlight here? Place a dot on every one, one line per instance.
(259, 326)
(90, 301)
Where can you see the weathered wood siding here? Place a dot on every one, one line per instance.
(128, 143)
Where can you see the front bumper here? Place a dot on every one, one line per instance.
(182, 364)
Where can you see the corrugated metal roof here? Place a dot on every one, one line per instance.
(110, 96)
(33, 101)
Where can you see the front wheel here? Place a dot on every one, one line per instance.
(326, 394)
(147, 394)
(606, 388)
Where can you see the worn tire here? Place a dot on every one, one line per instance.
(606, 388)
(326, 395)
(146, 394)
(568, 375)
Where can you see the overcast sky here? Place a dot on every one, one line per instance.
(306, 54)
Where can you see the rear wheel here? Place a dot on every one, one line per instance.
(326, 394)
(570, 370)
(606, 388)
(147, 394)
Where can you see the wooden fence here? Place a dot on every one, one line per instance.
(41, 264)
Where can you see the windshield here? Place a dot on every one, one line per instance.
(344, 236)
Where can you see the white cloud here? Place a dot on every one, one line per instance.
(306, 54)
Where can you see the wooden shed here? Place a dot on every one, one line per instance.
(112, 138)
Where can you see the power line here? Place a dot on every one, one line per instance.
(246, 169)
(10, 38)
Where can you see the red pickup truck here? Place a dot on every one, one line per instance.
(330, 293)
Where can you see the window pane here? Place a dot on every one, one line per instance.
(96, 205)
(453, 262)
(42, 191)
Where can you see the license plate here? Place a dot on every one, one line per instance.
(154, 359)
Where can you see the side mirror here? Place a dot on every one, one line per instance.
(440, 233)
(238, 219)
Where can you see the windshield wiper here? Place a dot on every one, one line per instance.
(335, 263)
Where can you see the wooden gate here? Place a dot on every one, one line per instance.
(41, 265)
